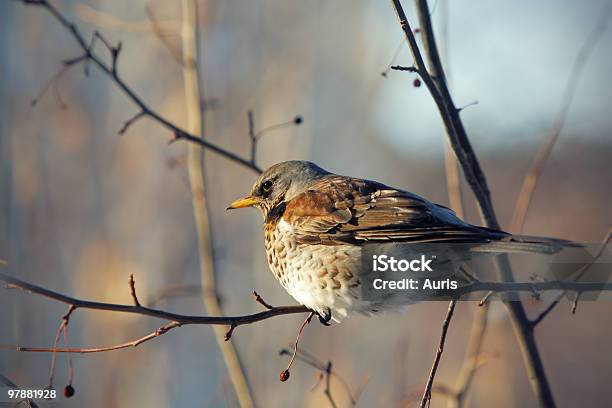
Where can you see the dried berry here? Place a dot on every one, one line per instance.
(284, 375)
(298, 120)
(416, 82)
(68, 391)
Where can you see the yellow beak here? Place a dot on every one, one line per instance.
(242, 203)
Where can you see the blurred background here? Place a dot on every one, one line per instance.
(82, 208)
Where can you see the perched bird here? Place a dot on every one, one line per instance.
(317, 223)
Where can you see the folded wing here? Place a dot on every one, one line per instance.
(340, 209)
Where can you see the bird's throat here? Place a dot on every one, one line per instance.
(275, 214)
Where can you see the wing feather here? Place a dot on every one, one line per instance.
(339, 209)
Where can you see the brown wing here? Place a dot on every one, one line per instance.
(340, 209)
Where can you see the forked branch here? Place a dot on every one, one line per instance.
(146, 311)
(112, 71)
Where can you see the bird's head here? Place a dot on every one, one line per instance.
(279, 184)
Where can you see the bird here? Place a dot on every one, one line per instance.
(317, 226)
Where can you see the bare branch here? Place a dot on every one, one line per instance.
(436, 84)
(146, 311)
(450, 116)
(77, 303)
(194, 95)
(111, 71)
(427, 393)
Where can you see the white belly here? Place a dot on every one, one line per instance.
(321, 277)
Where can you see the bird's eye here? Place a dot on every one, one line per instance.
(267, 185)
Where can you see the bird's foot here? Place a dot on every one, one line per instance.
(325, 317)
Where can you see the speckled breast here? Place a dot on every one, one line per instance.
(280, 247)
(309, 268)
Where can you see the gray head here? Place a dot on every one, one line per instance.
(280, 183)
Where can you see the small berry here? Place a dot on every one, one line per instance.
(416, 82)
(68, 391)
(298, 120)
(284, 375)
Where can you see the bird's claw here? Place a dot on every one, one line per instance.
(325, 318)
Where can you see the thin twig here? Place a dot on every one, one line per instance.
(255, 136)
(69, 358)
(575, 303)
(434, 368)
(53, 82)
(284, 375)
(385, 73)
(327, 390)
(485, 298)
(133, 290)
(133, 343)
(326, 370)
(296, 121)
(472, 355)
(130, 122)
(62, 327)
(261, 301)
(581, 272)
(404, 68)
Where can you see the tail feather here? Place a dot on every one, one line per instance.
(528, 244)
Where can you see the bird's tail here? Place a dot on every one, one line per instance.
(527, 244)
